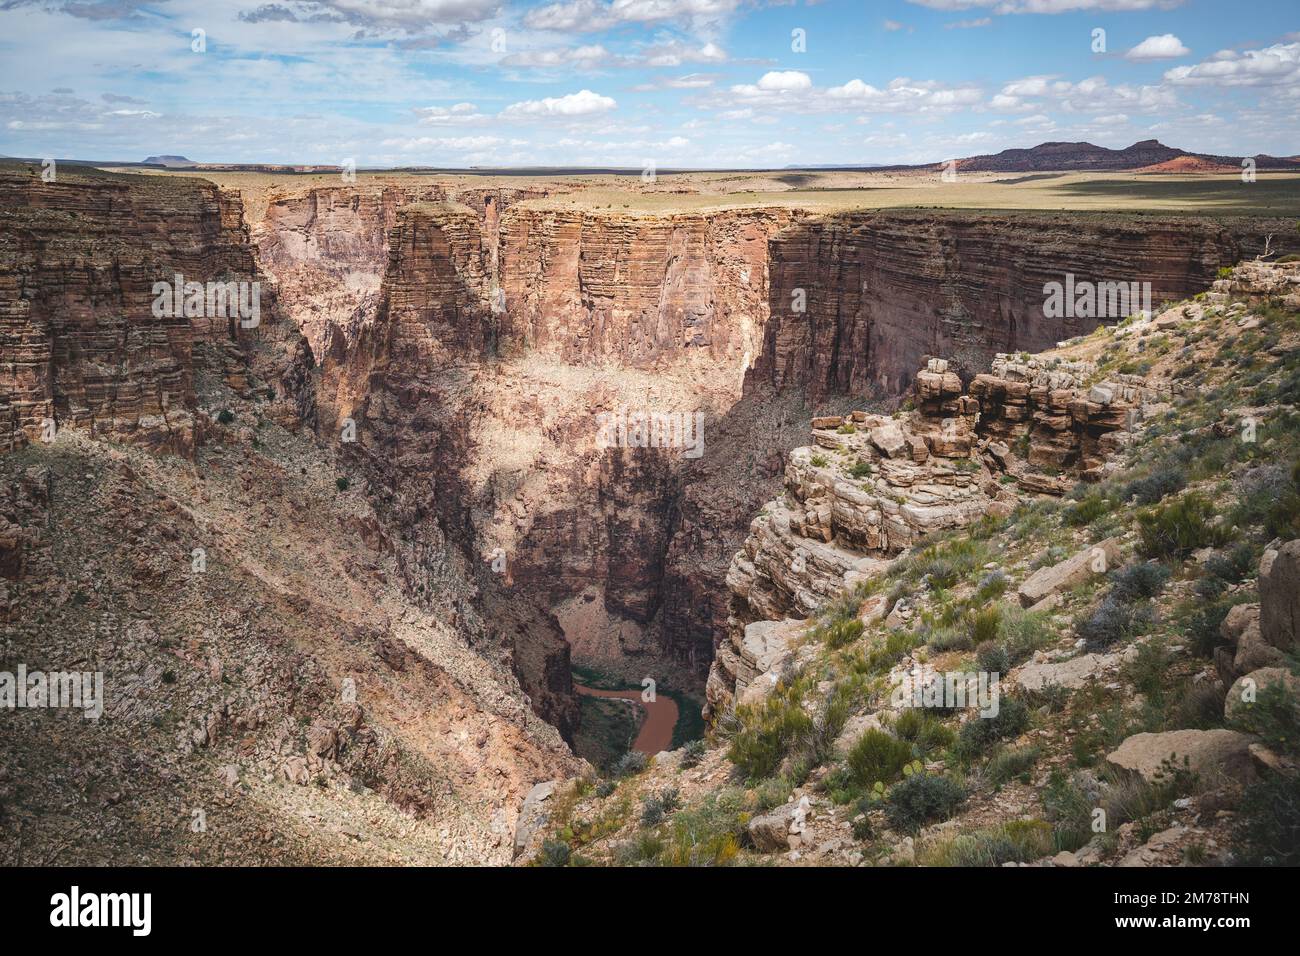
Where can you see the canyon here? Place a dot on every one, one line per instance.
(399, 476)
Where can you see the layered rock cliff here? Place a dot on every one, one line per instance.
(84, 340)
(860, 300)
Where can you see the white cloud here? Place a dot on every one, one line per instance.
(968, 24)
(1093, 95)
(582, 103)
(459, 115)
(1277, 65)
(587, 16)
(1163, 47)
(784, 81)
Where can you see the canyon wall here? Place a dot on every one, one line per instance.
(476, 390)
(884, 290)
(79, 258)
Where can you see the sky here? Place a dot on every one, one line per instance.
(638, 83)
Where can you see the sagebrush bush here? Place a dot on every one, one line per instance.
(1177, 529)
(630, 764)
(921, 799)
(1010, 763)
(693, 753)
(980, 733)
(877, 757)
(992, 658)
(554, 853)
(842, 633)
(1069, 810)
(1135, 582)
(1155, 486)
(926, 732)
(768, 732)
(1112, 621)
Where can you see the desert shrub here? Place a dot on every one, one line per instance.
(554, 853)
(705, 835)
(941, 573)
(1017, 841)
(983, 624)
(341, 484)
(1176, 529)
(1130, 797)
(693, 753)
(842, 633)
(225, 416)
(862, 827)
(992, 658)
(1200, 707)
(818, 461)
(1203, 627)
(1209, 588)
(1274, 716)
(605, 788)
(992, 586)
(1155, 486)
(860, 469)
(877, 757)
(1009, 763)
(655, 808)
(630, 764)
(767, 733)
(1112, 621)
(1022, 632)
(1233, 565)
(980, 733)
(1087, 510)
(921, 799)
(847, 429)
(1135, 582)
(948, 639)
(1269, 822)
(926, 732)
(1069, 810)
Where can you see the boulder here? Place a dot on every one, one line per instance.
(781, 829)
(1210, 754)
(1247, 650)
(1279, 595)
(1071, 674)
(889, 439)
(1074, 570)
(533, 816)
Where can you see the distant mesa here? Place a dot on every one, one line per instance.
(169, 161)
(1149, 155)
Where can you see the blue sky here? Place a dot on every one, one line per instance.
(707, 83)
